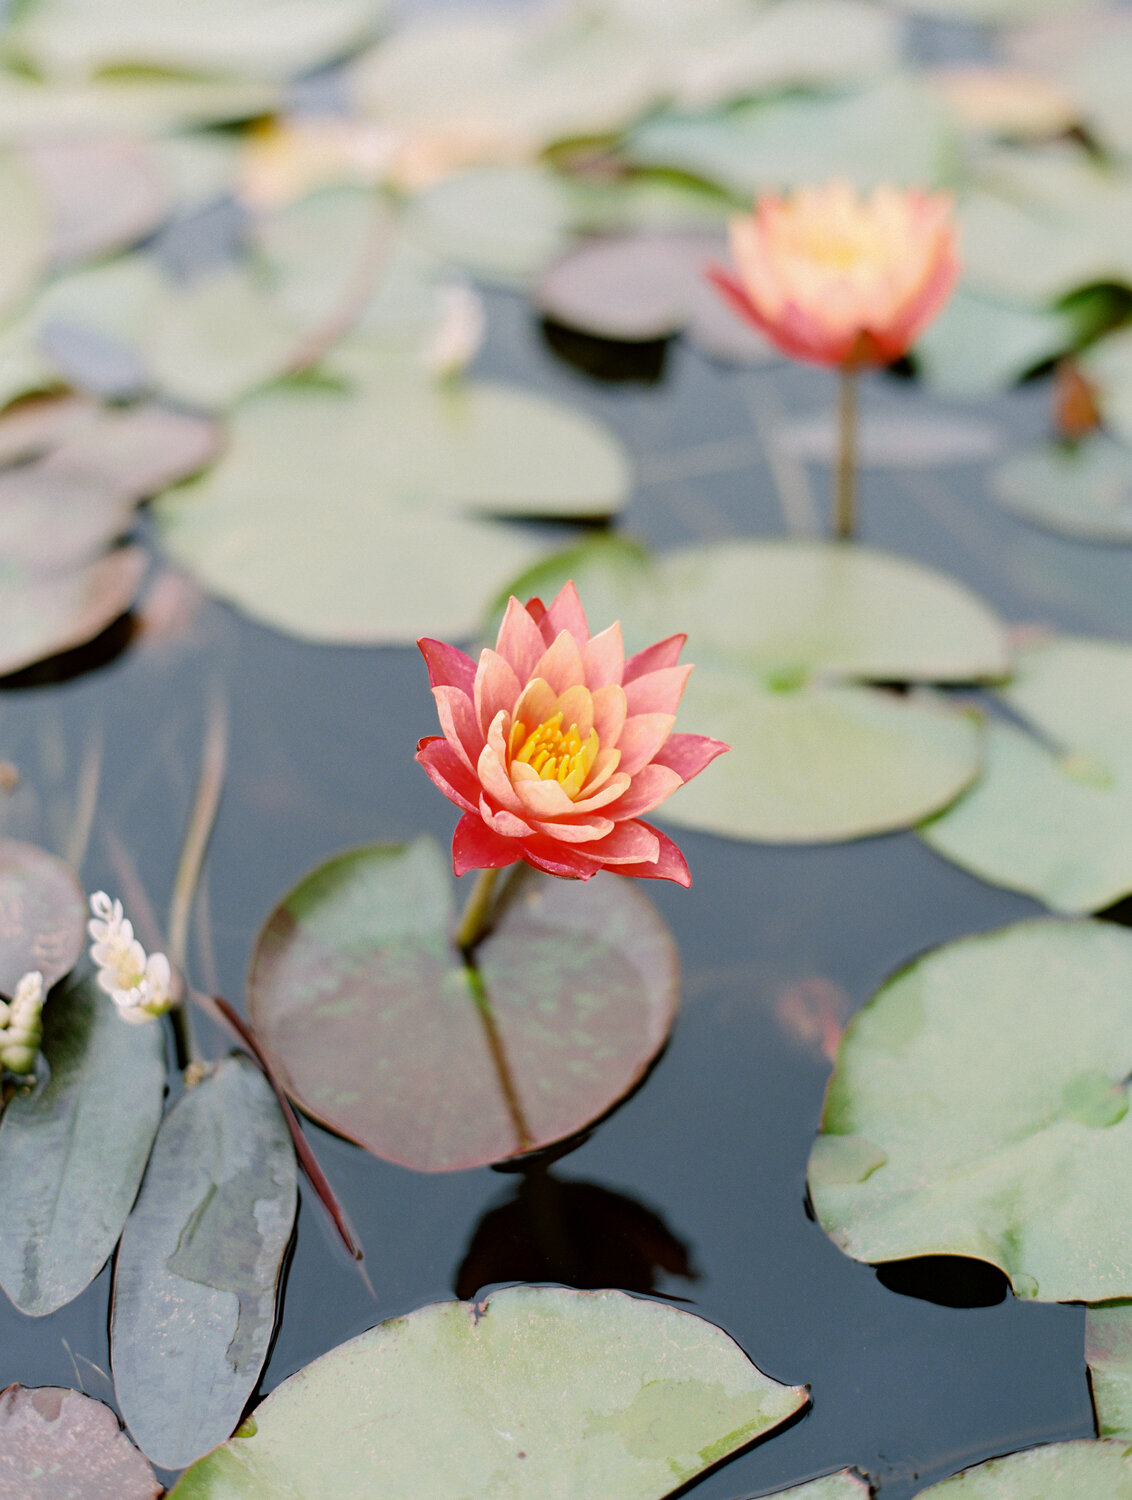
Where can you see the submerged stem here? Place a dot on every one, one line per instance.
(844, 505)
(474, 921)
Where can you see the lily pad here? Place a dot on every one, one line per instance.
(503, 224)
(1058, 1471)
(101, 195)
(979, 1108)
(382, 1032)
(126, 105)
(1082, 490)
(57, 1444)
(844, 1485)
(465, 1399)
(25, 249)
(73, 1149)
(42, 915)
(979, 345)
(1108, 1354)
(1052, 813)
(382, 554)
(789, 639)
(197, 1272)
(43, 616)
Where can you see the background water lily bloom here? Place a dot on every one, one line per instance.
(839, 279)
(555, 746)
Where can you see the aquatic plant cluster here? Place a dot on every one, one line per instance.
(254, 252)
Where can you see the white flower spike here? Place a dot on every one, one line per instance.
(140, 986)
(21, 1025)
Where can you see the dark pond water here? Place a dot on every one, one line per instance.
(694, 1189)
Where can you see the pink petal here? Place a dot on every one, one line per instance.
(447, 667)
(688, 754)
(520, 640)
(610, 710)
(475, 847)
(566, 613)
(641, 738)
(657, 692)
(629, 843)
(577, 707)
(558, 859)
(491, 769)
(664, 653)
(670, 863)
(496, 687)
(561, 664)
(459, 722)
(648, 789)
(602, 796)
(534, 705)
(583, 832)
(603, 657)
(542, 799)
(448, 771)
(602, 769)
(506, 824)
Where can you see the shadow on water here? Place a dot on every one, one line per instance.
(946, 1280)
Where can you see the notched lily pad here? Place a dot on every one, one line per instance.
(1058, 1471)
(1052, 813)
(381, 1032)
(42, 915)
(642, 1397)
(987, 1081)
(197, 1272)
(57, 1444)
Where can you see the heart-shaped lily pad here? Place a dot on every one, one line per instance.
(537, 1392)
(57, 1444)
(788, 638)
(1108, 1354)
(979, 1108)
(382, 1032)
(42, 915)
(1058, 1471)
(1052, 813)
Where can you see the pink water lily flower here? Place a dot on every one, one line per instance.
(555, 746)
(839, 279)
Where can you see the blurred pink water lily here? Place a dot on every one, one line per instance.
(837, 279)
(555, 746)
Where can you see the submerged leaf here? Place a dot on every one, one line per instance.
(57, 1444)
(979, 1108)
(196, 1276)
(546, 1394)
(74, 1147)
(381, 1031)
(42, 915)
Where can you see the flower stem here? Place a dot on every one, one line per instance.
(844, 507)
(474, 921)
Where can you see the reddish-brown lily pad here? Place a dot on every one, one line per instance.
(101, 195)
(57, 1444)
(41, 617)
(42, 915)
(382, 1032)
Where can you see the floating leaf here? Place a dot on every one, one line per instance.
(380, 556)
(137, 451)
(42, 915)
(56, 1444)
(503, 224)
(381, 1031)
(41, 617)
(1108, 1354)
(196, 1275)
(979, 345)
(786, 637)
(101, 196)
(24, 250)
(979, 1108)
(1052, 813)
(1058, 1471)
(125, 105)
(844, 1485)
(641, 1397)
(1083, 490)
(73, 1149)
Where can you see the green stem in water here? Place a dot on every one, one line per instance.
(474, 921)
(844, 507)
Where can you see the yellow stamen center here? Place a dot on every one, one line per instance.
(556, 754)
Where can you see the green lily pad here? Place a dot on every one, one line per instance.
(383, 554)
(197, 1272)
(640, 1396)
(125, 105)
(789, 638)
(1058, 1471)
(844, 1485)
(57, 1444)
(1108, 1354)
(1083, 490)
(42, 915)
(73, 1149)
(26, 243)
(979, 345)
(1052, 813)
(979, 1108)
(380, 1031)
